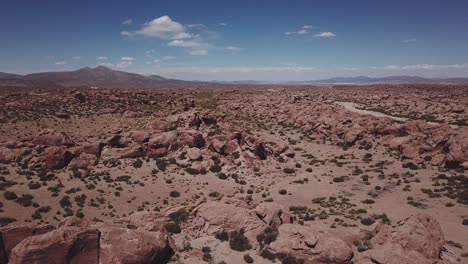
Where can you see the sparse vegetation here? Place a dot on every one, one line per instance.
(238, 241)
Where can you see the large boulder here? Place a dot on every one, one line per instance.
(124, 246)
(190, 138)
(93, 148)
(390, 254)
(162, 140)
(56, 157)
(50, 137)
(11, 235)
(133, 151)
(212, 217)
(156, 153)
(149, 221)
(84, 161)
(223, 145)
(311, 245)
(140, 136)
(52, 158)
(69, 244)
(233, 215)
(8, 155)
(273, 214)
(420, 233)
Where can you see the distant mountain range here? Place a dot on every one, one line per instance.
(390, 79)
(360, 80)
(100, 76)
(104, 77)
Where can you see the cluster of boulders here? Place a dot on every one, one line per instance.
(141, 237)
(418, 239)
(418, 141)
(427, 102)
(193, 133)
(78, 241)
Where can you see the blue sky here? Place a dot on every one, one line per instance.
(238, 40)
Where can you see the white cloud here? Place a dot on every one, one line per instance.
(196, 26)
(106, 64)
(408, 40)
(150, 53)
(77, 58)
(198, 52)
(127, 22)
(168, 58)
(223, 24)
(299, 32)
(232, 48)
(183, 43)
(182, 35)
(422, 67)
(127, 59)
(325, 35)
(302, 31)
(162, 27)
(294, 69)
(102, 58)
(123, 64)
(175, 33)
(60, 63)
(126, 33)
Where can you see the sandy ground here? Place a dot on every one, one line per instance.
(380, 184)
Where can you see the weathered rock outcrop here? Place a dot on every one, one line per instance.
(233, 215)
(312, 245)
(64, 245)
(76, 241)
(418, 239)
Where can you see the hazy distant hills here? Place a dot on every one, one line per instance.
(362, 80)
(86, 77)
(104, 77)
(390, 79)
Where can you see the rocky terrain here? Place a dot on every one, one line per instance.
(235, 174)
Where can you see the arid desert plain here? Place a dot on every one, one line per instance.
(235, 174)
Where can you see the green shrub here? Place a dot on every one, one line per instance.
(65, 201)
(172, 227)
(267, 236)
(25, 200)
(248, 258)
(161, 164)
(282, 191)
(367, 221)
(222, 176)
(10, 195)
(137, 163)
(238, 241)
(222, 235)
(339, 179)
(215, 168)
(34, 185)
(192, 171)
(174, 194)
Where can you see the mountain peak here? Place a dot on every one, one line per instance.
(101, 68)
